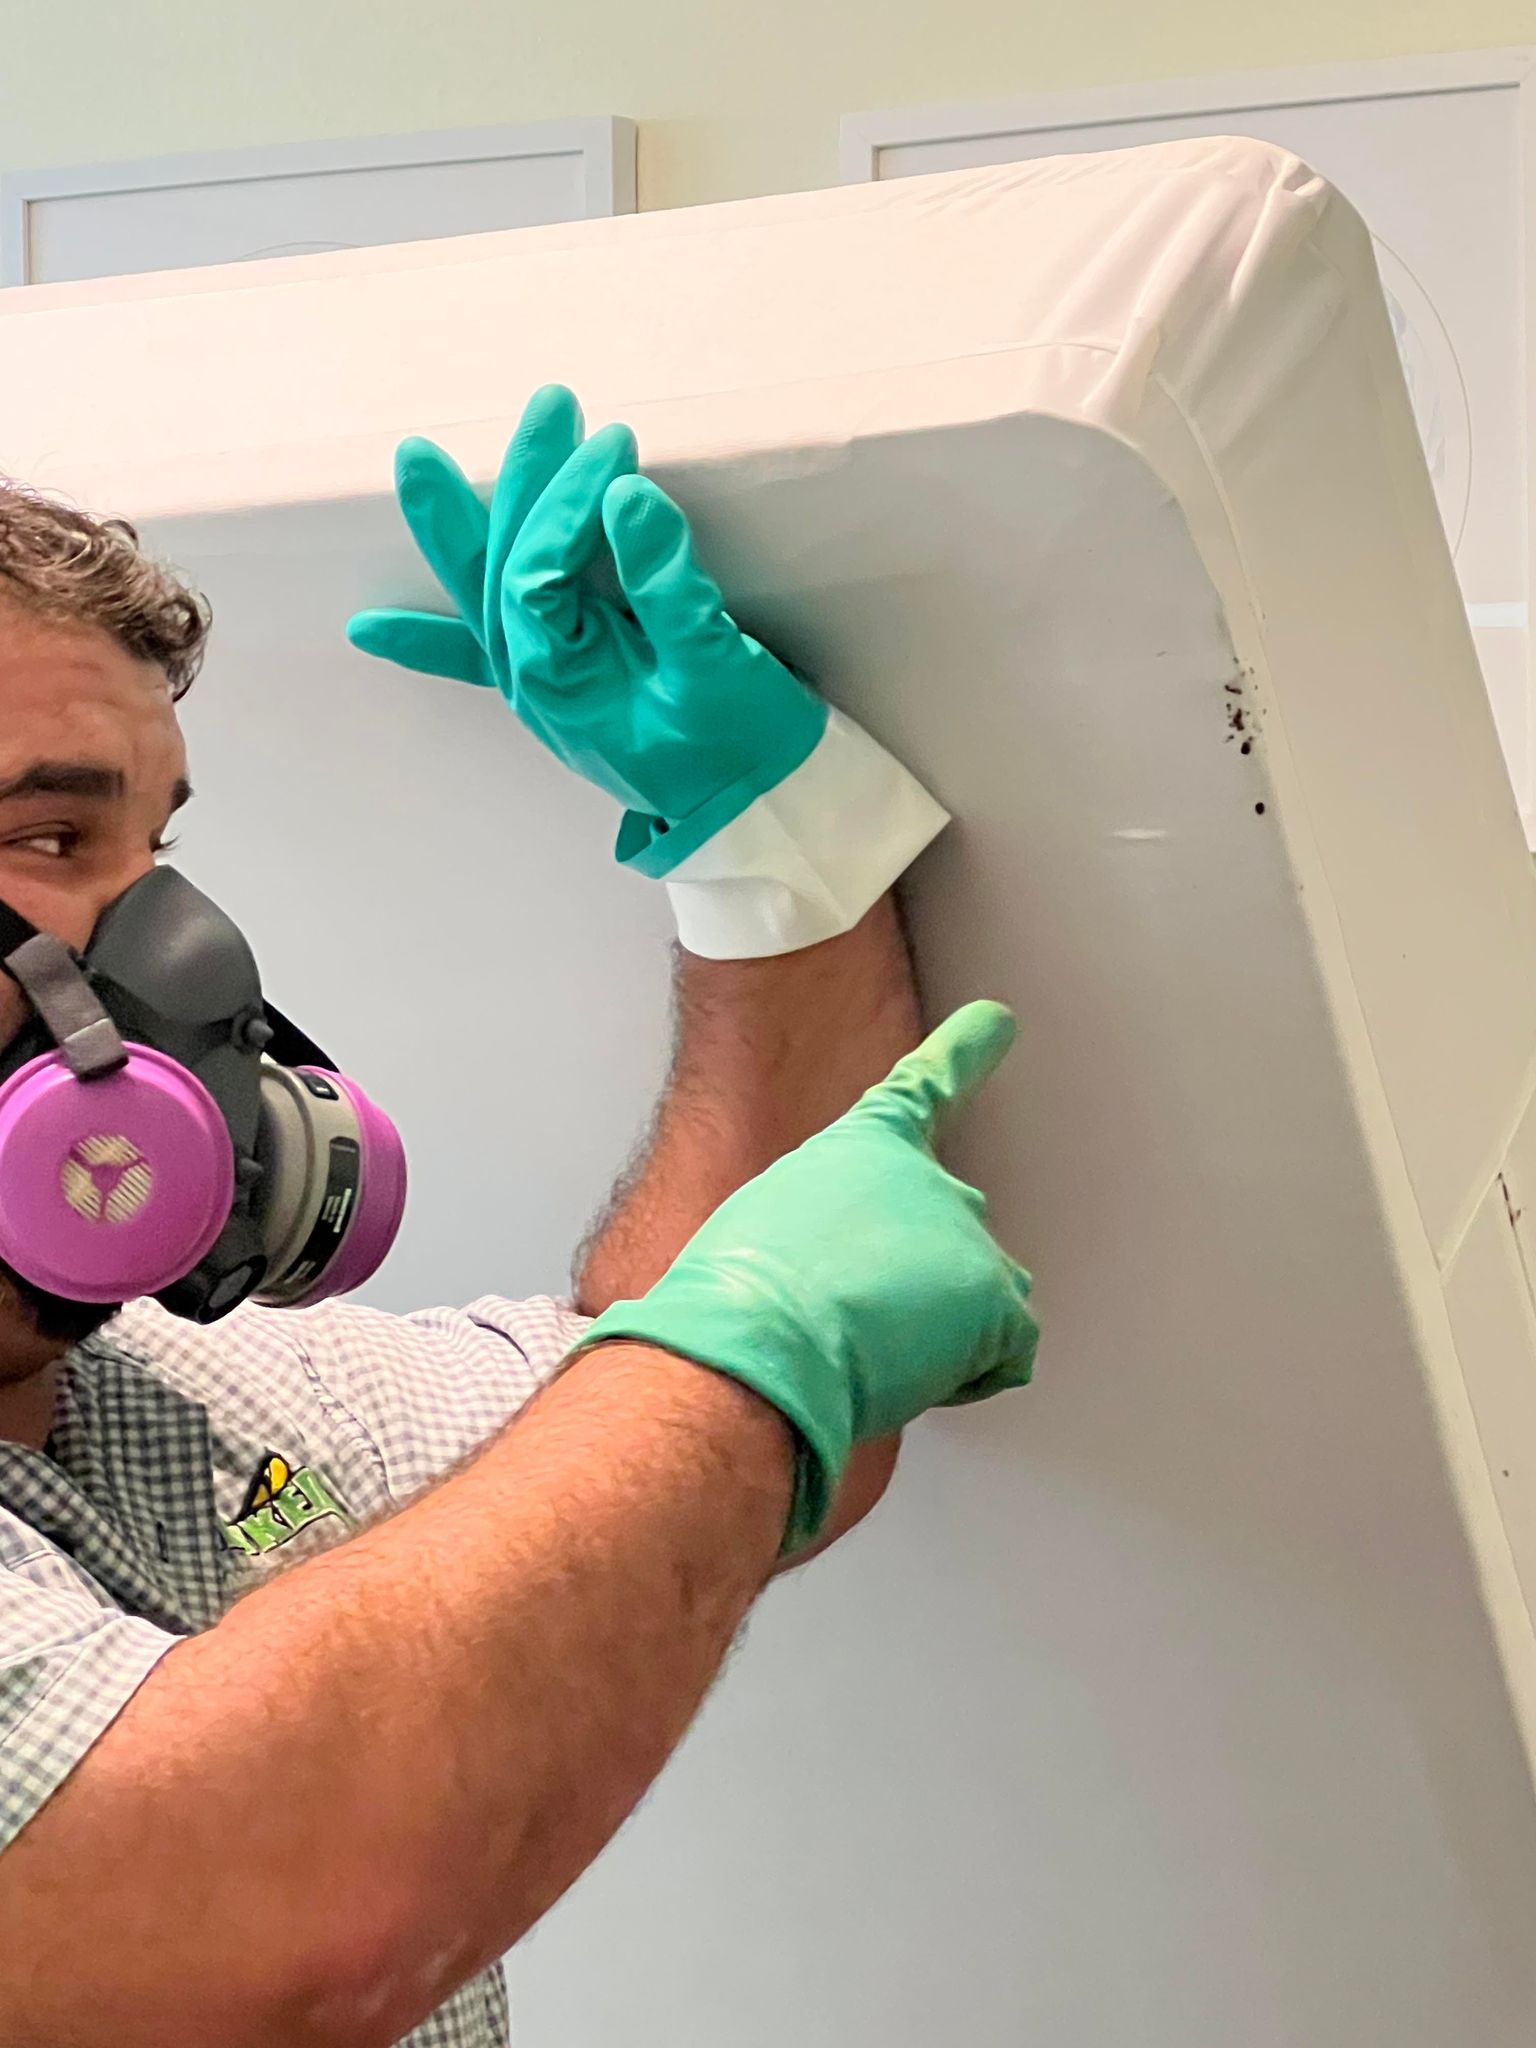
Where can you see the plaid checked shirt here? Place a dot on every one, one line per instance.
(184, 1463)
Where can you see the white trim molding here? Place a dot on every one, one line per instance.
(863, 137)
(604, 147)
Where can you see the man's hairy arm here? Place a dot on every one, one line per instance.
(767, 1052)
(312, 1823)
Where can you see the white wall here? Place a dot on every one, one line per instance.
(732, 99)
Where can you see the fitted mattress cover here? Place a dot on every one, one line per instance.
(1187, 1698)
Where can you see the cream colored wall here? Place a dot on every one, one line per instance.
(733, 98)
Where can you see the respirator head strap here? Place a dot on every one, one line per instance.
(50, 977)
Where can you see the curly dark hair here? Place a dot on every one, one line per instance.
(72, 568)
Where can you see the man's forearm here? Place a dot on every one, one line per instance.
(767, 1052)
(318, 1819)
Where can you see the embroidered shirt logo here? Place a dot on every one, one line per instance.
(279, 1502)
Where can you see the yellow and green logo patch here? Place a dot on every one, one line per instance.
(279, 1502)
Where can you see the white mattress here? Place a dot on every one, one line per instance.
(1185, 1700)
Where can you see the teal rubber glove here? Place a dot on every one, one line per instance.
(855, 1283)
(774, 820)
(656, 696)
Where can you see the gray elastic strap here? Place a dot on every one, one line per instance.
(50, 977)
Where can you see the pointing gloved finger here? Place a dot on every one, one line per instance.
(677, 603)
(545, 439)
(946, 1070)
(423, 641)
(541, 588)
(447, 521)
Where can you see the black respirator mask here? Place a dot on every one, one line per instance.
(165, 1131)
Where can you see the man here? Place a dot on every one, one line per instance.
(334, 1645)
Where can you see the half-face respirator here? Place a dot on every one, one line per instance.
(164, 1131)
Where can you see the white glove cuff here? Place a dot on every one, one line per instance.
(806, 860)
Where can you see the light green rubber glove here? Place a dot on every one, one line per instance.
(656, 696)
(855, 1283)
